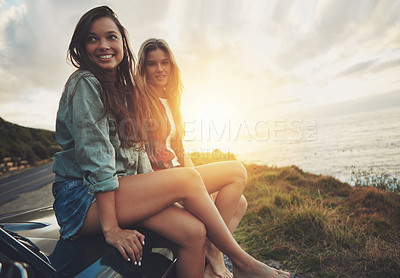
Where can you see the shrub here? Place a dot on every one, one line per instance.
(371, 178)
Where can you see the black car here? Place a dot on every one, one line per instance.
(30, 246)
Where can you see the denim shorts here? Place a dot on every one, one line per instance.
(71, 203)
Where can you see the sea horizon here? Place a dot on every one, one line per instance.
(364, 141)
(338, 146)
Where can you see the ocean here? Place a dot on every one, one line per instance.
(338, 146)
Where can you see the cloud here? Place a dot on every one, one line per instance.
(338, 30)
(372, 66)
(375, 102)
(278, 103)
(34, 39)
(360, 67)
(264, 48)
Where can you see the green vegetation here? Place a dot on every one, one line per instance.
(372, 178)
(18, 143)
(318, 226)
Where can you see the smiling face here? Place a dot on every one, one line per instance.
(104, 45)
(158, 69)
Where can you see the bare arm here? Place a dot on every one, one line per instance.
(106, 210)
(128, 242)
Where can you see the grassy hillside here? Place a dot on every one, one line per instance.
(317, 226)
(30, 144)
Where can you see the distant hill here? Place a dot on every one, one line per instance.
(27, 144)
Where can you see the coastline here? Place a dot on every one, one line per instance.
(311, 225)
(317, 226)
(358, 142)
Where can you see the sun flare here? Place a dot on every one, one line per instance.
(212, 110)
(209, 125)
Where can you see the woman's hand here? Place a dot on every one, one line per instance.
(128, 242)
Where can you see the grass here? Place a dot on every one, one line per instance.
(317, 226)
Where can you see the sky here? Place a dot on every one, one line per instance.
(240, 60)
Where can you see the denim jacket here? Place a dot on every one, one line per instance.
(89, 150)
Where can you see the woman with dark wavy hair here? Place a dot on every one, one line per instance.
(104, 182)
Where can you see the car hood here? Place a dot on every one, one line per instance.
(85, 256)
(39, 225)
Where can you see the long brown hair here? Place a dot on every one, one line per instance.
(174, 87)
(119, 96)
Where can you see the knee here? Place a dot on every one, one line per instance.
(191, 180)
(190, 173)
(240, 173)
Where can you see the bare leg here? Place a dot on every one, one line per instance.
(181, 227)
(227, 180)
(238, 215)
(143, 196)
(212, 252)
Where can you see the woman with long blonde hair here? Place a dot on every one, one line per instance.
(159, 76)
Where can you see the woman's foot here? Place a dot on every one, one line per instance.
(215, 263)
(209, 273)
(259, 270)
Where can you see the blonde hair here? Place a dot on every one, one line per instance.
(174, 87)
